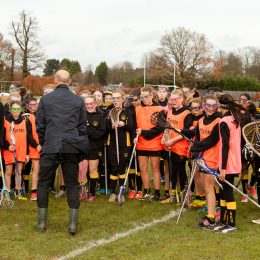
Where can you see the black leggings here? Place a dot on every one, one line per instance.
(227, 193)
(178, 170)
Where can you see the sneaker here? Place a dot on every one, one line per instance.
(252, 191)
(219, 227)
(139, 195)
(34, 196)
(131, 194)
(256, 221)
(60, 194)
(147, 197)
(166, 201)
(91, 198)
(207, 223)
(218, 214)
(228, 229)
(244, 199)
(21, 197)
(82, 196)
(112, 198)
(165, 196)
(101, 191)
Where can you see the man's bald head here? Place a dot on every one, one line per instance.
(62, 77)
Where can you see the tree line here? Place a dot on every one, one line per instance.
(188, 55)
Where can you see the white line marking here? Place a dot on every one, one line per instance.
(118, 236)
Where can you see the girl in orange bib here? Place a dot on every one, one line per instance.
(18, 133)
(229, 160)
(34, 153)
(207, 143)
(149, 142)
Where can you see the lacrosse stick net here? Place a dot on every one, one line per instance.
(251, 134)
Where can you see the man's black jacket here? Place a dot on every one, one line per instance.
(61, 120)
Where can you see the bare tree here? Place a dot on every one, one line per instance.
(191, 52)
(24, 31)
(7, 55)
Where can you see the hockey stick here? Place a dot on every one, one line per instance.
(123, 187)
(194, 166)
(5, 200)
(202, 165)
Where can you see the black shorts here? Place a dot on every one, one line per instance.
(149, 153)
(94, 155)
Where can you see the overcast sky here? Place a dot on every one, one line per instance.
(119, 30)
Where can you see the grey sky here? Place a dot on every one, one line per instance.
(119, 30)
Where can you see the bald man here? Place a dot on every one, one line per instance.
(62, 129)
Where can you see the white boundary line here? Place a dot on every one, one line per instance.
(118, 236)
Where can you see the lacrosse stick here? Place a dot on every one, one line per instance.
(83, 192)
(167, 136)
(251, 133)
(202, 165)
(158, 119)
(114, 115)
(105, 158)
(193, 171)
(5, 200)
(123, 187)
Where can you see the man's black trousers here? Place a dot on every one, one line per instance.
(48, 166)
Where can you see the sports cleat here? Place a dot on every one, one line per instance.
(91, 198)
(219, 227)
(60, 194)
(252, 191)
(34, 196)
(207, 223)
(244, 199)
(139, 195)
(131, 195)
(228, 229)
(112, 198)
(256, 221)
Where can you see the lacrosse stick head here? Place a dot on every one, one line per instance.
(251, 134)
(114, 114)
(159, 119)
(201, 163)
(6, 201)
(121, 195)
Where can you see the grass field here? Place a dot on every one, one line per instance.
(101, 220)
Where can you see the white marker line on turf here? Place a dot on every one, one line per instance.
(118, 236)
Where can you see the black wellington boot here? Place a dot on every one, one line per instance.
(42, 218)
(73, 221)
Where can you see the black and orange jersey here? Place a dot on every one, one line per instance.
(124, 132)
